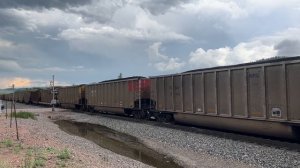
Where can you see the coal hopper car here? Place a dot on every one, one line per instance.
(71, 96)
(122, 96)
(259, 98)
(45, 96)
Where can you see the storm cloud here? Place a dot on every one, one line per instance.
(288, 48)
(160, 6)
(42, 3)
(93, 40)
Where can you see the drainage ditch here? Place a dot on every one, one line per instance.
(117, 142)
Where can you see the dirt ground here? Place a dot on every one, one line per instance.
(32, 150)
(42, 144)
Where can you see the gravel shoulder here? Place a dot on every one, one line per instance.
(196, 149)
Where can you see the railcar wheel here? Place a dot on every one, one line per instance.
(296, 132)
(139, 114)
(166, 118)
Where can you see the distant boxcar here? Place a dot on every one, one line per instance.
(35, 97)
(71, 96)
(19, 96)
(127, 95)
(259, 98)
(26, 96)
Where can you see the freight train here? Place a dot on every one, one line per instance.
(260, 98)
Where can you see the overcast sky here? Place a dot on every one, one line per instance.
(85, 41)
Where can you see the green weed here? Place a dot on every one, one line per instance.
(7, 143)
(24, 115)
(64, 154)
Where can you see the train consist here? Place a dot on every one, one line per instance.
(260, 98)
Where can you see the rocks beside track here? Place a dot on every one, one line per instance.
(196, 149)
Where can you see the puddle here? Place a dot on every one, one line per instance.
(117, 142)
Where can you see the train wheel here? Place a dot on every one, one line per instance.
(139, 114)
(166, 118)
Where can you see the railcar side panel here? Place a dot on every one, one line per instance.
(168, 95)
(187, 93)
(223, 90)
(177, 90)
(161, 94)
(293, 88)
(256, 93)
(210, 93)
(275, 92)
(198, 93)
(153, 91)
(238, 91)
(46, 96)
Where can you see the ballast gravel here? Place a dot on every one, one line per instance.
(185, 146)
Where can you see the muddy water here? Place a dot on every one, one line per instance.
(117, 142)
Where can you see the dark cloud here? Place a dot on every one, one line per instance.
(288, 48)
(8, 20)
(42, 3)
(98, 10)
(160, 6)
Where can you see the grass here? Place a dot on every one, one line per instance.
(25, 115)
(17, 148)
(64, 154)
(7, 143)
(35, 157)
(4, 164)
(39, 162)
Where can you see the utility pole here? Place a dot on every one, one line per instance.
(53, 92)
(15, 111)
(12, 105)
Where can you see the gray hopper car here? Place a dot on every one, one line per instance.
(71, 96)
(26, 96)
(127, 95)
(45, 96)
(257, 98)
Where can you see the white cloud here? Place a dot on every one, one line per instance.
(95, 37)
(255, 49)
(5, 44)
(215, 7)
(101, 11)
(267, 6)
(47, 18)
(162, 62)
(84, 33)
(243, 52)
